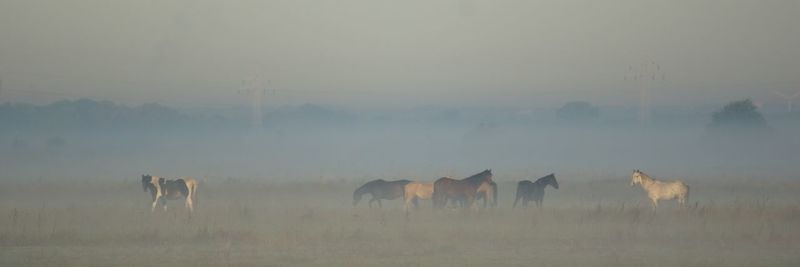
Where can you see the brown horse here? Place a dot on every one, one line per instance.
(380, 189)
(465, 190)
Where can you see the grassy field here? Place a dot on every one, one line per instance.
(732, 222)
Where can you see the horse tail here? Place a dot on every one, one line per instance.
(494, 194)
(686, 195)
(194, 193)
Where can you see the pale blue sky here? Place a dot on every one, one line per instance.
(382, 53)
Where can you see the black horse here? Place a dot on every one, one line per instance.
(380, 189)
(464, 190)
(527, 190)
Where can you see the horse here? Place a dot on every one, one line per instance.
(527, 190)
(380, 189)
(465, 190)
(162, 189)
(486, 191)
(658, 190)
(415, 191)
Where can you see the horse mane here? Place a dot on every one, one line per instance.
(645, 176)
(545, 178)
(494, 192)
(479, 177)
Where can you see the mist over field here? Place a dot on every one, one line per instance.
(284, 112)
(84, 139)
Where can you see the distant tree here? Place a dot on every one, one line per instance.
(738, 116)
(578, 111)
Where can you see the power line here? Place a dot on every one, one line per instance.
(644, 75)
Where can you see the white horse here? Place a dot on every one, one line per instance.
(658, 190)
(161, 189)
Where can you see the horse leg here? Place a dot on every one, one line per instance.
(370, 202)
(539, 202)
(379, 204)
(470, 203)
(516, 198)
(415, 200)
(655, 203)
(189, 204)
(153, 206)
(164, 203)
(682, 200)
(525, 200)
(406, 205)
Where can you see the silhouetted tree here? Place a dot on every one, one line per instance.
(738, 116)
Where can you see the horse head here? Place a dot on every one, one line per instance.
(636, 177)
(363, 190)
(146, 180)
(488, 174)
(554, 182)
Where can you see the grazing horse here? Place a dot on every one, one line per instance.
(415, 191)
(465, 190)
(527, 190)
(162, 189)
(658, 190)
(380, 189)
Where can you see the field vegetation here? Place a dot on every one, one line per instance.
(244, 222)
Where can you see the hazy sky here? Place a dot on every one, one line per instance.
(376, 53)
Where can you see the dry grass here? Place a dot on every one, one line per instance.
(242, 223)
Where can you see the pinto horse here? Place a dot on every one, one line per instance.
(161, 189)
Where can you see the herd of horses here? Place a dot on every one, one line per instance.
(460, 193)
(464, 192)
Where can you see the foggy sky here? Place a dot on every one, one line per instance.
(376, 53)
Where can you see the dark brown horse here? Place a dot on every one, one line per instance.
(464, 190)
(380, 189)
(527, 190)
